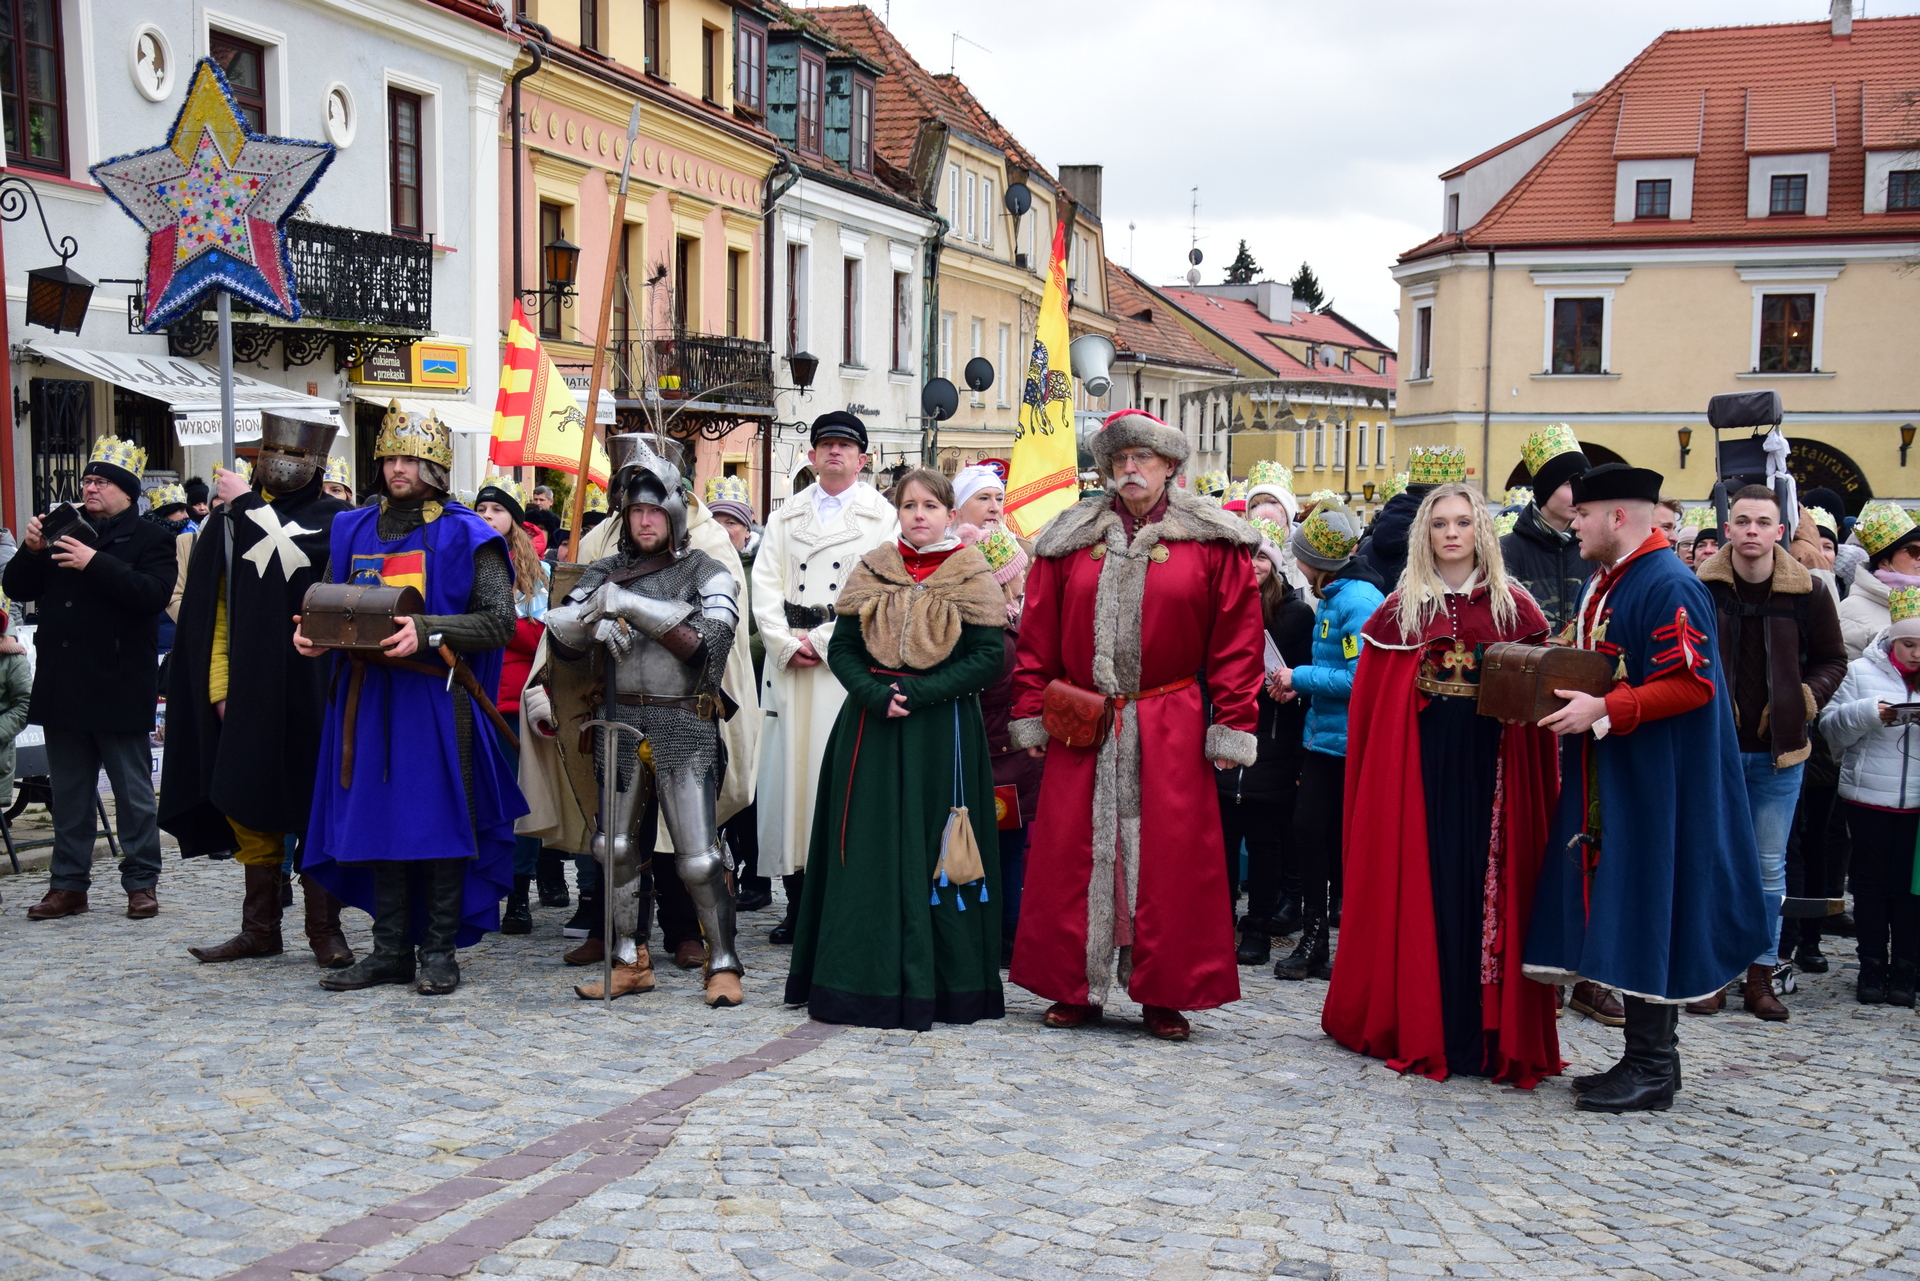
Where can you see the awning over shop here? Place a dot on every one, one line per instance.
(191, 388)
(460, 416)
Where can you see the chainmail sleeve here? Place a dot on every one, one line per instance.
(488, 622)
(718, 635)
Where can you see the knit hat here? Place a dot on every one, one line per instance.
(119, 461)
(727, 496)
(1133, 429)
(1270, 479)
(972, 479)
(1552, 455)
(1326, 539)
(506, 491)
(1903, 612)
(196, 490)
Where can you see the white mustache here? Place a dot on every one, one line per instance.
(1133, 482)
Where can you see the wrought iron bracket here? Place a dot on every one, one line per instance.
(14, 191)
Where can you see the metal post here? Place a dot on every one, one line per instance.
(225, 310)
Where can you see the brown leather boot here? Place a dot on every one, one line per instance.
(636, 976)
(259, 921)
(1708, 1004)
(723, 990)
(1598, 1003)
(324, 935)
(590, 952)
(58, 903)
(1758, 998)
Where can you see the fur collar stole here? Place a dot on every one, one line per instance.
(1187, 520)
(916, 625)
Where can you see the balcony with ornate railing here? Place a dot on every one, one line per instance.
(697, 373)
(362, 277)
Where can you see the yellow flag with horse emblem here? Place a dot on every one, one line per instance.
(537, 420)
(1043, 480)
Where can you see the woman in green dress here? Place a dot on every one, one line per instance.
(884, 938)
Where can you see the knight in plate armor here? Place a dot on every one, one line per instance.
(657, 620)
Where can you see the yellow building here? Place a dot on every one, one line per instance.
(1738, 209)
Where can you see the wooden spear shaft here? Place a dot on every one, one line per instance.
(600, 345)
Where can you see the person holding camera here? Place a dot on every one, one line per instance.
(100, 583)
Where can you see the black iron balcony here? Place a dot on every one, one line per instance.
(362, 277)
(731, 376)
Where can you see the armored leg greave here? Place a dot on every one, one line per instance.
(686, 805)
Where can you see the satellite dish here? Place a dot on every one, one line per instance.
(1195, 257)
(1018, 199)
(1193, 276)
(938, 400)
(979, 373)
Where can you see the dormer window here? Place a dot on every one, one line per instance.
(1788, 194)
(813, 89)
(1653, 198)
(862, 126)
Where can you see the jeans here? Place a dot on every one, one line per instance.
(1772, 795)
(74, 761)
(1013, 877)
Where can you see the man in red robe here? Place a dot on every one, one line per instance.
(1142, 599)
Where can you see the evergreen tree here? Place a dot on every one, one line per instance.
(1243, 268)
(1306, 287)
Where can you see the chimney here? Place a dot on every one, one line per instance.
(1581, 95)
(1842, 14)
(1083, 184)
(1274, 300)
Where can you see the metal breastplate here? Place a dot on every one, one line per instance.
(648, 668)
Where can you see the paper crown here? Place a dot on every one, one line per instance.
(1436, 465)
(1269, 530)
(1395, 484)
(1903, 603)
(1503, 523)
(337, 471)
(1882, 525)
(1548, 443)
(123, 454)
(242, 468)
(1236, 492)
(1320, 496)
(1697, 517)
(1268, 472)
(167, 496)
(1213, 483)
(509, 486)
(726, 489)
(1824, 519)
(1000, 548)
(1519, 496)
(404, 434)
(596, 498)
(1331, 530)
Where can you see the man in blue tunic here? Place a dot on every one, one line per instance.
(413, 817)
(1637, 891)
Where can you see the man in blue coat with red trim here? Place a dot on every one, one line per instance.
(1637, 891)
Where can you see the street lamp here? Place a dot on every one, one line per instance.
(803, 366)
(1366, 491)
(1906, 441)
(559, 265)
(57, 297)
(1686, 445)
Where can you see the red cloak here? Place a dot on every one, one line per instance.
(1384, 999)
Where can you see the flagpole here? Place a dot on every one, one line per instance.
(600, 345)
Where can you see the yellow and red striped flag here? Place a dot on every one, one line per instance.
(537, 418)
(1044, 473)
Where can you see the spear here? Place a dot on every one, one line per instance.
(600, 345)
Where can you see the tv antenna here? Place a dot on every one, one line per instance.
(1194, 256)
(953, 53)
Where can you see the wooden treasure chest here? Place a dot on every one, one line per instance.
(1517, 681)
(355, 615)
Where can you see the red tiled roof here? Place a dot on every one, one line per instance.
(1145, 328)
(1659, 125)
(1890, 115)
(1799, 74)
(1241, 324)
(990, 129)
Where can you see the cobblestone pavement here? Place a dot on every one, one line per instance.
(168, 1119)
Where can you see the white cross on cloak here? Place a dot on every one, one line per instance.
(278, 542)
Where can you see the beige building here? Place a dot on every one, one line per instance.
(1739, 208)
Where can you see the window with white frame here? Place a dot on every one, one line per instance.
(972, 209)
(1788, 185)
(902, 321)
(1380, 458)
(979, 339)
(1299, 450)
(796, 298)
(1003, 377)
(850, 311)
(946, 345)
(1422, 342)
(1578, 335)
(1360, 445)
(1789, 322)
(1320, 443)
(953, 196)
(988, 212)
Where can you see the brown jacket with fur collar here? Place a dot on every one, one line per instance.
(1806, 658)
(916, 625)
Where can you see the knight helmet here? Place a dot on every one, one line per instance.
(648, 478)
(294, 448)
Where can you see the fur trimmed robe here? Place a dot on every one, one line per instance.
(1117, 872)
(909, 624)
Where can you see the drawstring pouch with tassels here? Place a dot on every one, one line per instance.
(959, 863)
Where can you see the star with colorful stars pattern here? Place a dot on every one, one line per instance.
(215, 199)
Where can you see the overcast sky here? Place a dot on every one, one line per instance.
(1315, 130)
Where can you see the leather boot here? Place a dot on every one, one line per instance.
(1309, 956)
(783, 932)
(391, 960)
(552, 877)
(286, 890)
(1597, 1003)
(1586, 1084)
(1287, 917)
(1709, 1004)
(518, 918)
(58, 903)
(628, 977)
(1256, 947)
(1900, 981)
(1757, 995)
(446, 890)
(1643, 1081)
(1808, 955)
(324, 936)
(1871, 987)
(259, 920)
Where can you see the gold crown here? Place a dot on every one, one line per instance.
(1236, 492)
(1331, 530)
(1903, 603)
(1519, 496)
(1882, 525)
(1269, 472)
(1697, 517)
(1548, 443)
(409, 435)
(1269, 530)
(1824, 519)
(1436, 465)
(509, 486)
(1323, 496)
(1396, 484)
(123, 454)
(337, 471)
(1213, 483)
(167, 496)
(727, 489)
(596, 498)
(1503, 523)
(242, 468)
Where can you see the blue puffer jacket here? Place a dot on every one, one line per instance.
(1345, 606)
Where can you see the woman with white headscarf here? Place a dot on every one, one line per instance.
(980, 497)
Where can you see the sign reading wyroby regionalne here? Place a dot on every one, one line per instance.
(442, 366)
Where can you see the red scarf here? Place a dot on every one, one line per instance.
(922, 564)
(1911, 674)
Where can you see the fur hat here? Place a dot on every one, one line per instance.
(1132, 428)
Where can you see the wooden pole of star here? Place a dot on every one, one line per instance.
(587, 435)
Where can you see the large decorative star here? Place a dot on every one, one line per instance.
(215, 199)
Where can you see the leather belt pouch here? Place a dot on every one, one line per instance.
(1517, 681)
(1077, 717)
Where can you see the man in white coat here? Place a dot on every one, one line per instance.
(811, 544)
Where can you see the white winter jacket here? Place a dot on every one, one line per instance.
(1863, 614)
(1879, 764)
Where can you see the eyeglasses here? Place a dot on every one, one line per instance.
(95, 482)
(1134, 457)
